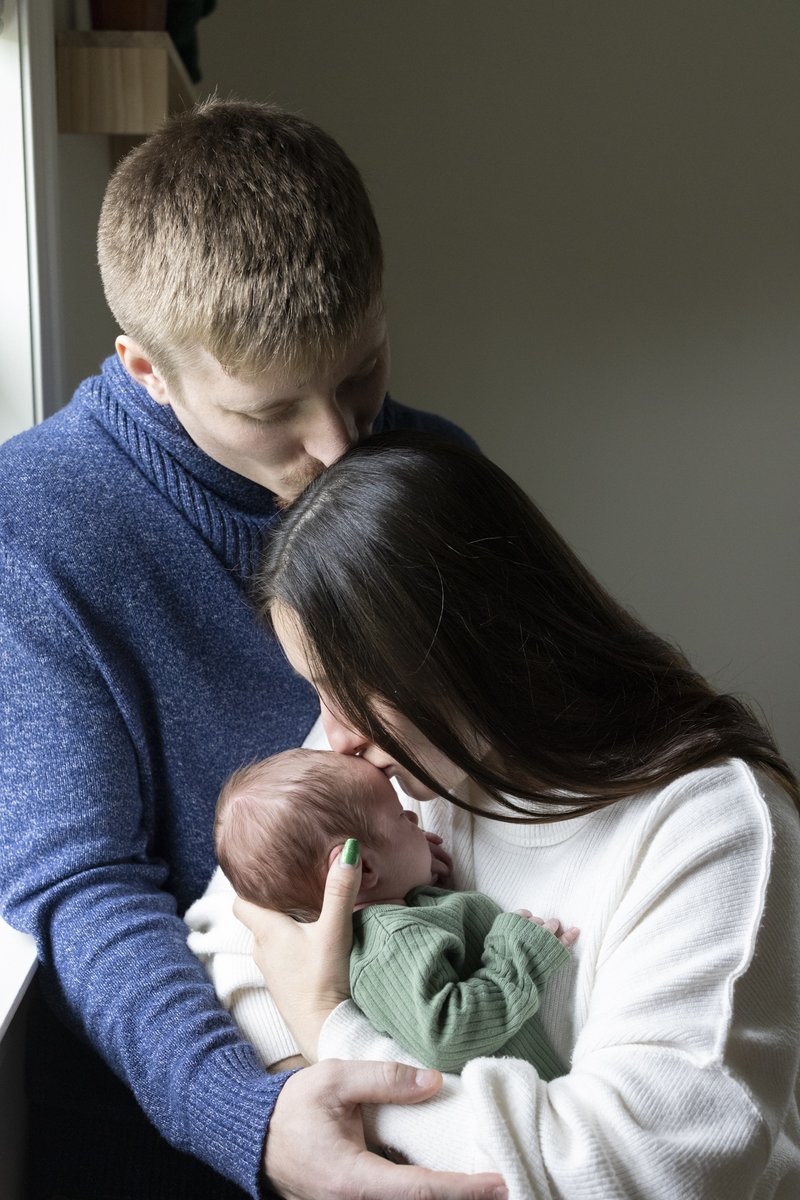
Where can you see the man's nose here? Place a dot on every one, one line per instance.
(331, 431)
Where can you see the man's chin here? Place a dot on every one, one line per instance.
(293, 486)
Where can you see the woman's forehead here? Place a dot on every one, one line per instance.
(288, 631)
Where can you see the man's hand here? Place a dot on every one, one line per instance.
(315, 1142)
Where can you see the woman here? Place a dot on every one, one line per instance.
(573, 763)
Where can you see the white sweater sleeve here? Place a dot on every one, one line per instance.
(225, 947)
(685, 1064)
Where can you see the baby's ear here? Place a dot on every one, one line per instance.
(369, 873)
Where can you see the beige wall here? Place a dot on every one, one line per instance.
(591, 222)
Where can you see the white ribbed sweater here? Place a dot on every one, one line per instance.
(680, 1012)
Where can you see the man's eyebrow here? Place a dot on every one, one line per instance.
(261, 406)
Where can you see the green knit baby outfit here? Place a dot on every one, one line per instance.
(451, 977)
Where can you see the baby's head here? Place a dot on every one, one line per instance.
(281, 822)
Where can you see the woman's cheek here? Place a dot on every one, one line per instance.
(416, 790)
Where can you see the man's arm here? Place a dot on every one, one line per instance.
(78, 874)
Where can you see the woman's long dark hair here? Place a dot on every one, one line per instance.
(425, 580)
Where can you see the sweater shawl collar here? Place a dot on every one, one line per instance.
(230, 512)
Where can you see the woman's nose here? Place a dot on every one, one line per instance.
(342, 739)
(411, 816)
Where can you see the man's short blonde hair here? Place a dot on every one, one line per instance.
(245, 231)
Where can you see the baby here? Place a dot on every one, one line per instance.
(447, 974)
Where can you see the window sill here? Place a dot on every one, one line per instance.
(18, 958)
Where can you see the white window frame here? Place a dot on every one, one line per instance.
(31, 356)
(31, 385)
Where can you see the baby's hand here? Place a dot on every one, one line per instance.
(441, 862)
(567, 937)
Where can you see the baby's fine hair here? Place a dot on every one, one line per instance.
(278, 820)
(243, 230)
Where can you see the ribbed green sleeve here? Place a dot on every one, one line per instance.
(453, 978)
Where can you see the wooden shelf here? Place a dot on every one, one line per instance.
(119, 83)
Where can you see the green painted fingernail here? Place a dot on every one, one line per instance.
(349, 856)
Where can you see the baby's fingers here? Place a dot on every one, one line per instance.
(567, 937)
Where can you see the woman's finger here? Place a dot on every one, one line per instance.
(341, 890)
(306, 964)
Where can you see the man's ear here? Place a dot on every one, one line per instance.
(141, 367)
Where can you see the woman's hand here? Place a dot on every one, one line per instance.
(307, 966)
(315, 1143)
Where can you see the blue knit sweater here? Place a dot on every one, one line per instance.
(135, 676)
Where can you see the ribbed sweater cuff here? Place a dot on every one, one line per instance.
(546, 952)
(229, 1109)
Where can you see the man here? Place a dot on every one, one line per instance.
(240, 256)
